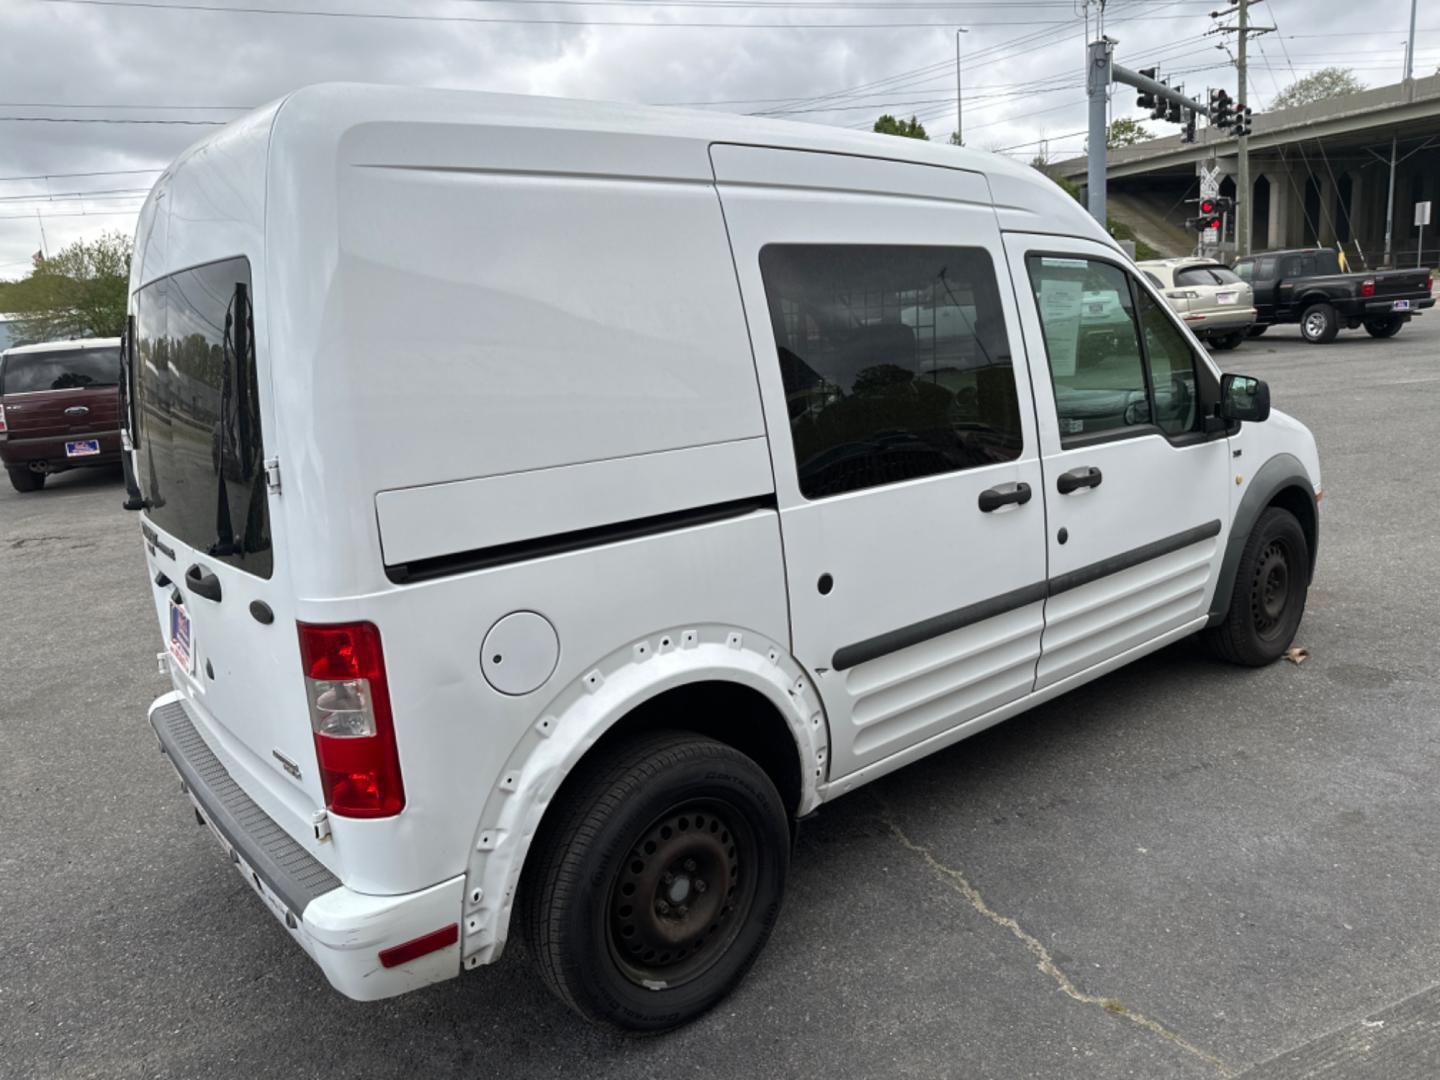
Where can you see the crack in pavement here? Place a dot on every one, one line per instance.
(960, 884)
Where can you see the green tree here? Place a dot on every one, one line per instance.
(79, 292)
(955, 139)
(1126, 132)
(910, 129)
(1330, 82)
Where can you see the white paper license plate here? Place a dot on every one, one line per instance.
(1225, 298)
(1400, 305)
(182, 645)
(82, 448)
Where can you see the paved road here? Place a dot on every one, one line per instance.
(1183, 870)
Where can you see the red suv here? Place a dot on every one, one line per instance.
(59, 408)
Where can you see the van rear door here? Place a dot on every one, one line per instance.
(902, 433)
(222, 600)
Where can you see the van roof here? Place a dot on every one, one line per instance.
(356, 124)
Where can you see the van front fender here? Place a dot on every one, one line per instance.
(580, 714)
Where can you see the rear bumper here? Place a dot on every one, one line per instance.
(20, 452)
(343, 931)
(1219, 320)
(1375, 308)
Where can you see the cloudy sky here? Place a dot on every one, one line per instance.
(97, 95)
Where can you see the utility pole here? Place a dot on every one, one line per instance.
(959, 113)
(1410, 46)
(1243, 191)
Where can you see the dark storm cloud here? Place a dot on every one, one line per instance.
(55, 54)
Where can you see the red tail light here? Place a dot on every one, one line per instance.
(350, 717)
(1367, 288)
(2, 417)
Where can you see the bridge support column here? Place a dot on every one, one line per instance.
(1282, 206)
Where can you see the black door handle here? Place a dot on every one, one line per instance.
(203, 583)
(1076, 479)
(991, 499)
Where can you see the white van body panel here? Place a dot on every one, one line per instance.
(486, 322)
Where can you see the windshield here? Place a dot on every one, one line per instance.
(198, 440)
(1206, 275)
(69, 369)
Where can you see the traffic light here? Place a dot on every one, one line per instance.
(1222, 113)
(1189, 135)
(1243, 125)
(1176, 113)
(1146, 100)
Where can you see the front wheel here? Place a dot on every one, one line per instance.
(1318, 325)
(657, 887)
(1268, 598)
(1383, 328)
(25, 481)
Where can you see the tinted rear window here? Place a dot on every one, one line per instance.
(24, 373)
(1206, 275)
(200, 461)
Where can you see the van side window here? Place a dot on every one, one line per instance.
(1172, 370)
(1092, 343)
(895, 362)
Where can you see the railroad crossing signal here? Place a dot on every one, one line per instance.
(1212, 214)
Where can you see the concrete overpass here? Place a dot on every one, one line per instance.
(1320, 174)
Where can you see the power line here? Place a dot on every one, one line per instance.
(71, 175)
(393, 16)
(108, 120)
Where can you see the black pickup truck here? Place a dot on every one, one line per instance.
(1306, 286)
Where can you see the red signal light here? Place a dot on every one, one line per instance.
(1207, 206)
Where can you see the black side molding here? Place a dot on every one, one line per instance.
(849, 656)
(895, 640)
(563, 543)
(1134, 557)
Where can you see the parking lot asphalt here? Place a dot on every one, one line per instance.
(1181, 870)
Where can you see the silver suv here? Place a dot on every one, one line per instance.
(1208, 295)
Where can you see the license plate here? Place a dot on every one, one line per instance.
(1225, 298)
(1400, 305)
(82, 448)
(182, 645)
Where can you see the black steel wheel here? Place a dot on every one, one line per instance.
(653, 891)
(1267, 602)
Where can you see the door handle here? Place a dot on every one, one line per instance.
(203, 583)
(1076, 479)
(992, 499)
(77, 410)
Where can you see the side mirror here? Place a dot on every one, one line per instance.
(1244, 398)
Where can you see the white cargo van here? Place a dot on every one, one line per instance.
(548, 503)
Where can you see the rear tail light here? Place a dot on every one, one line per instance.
(2, 417)
(1367, 288)
(351, 720)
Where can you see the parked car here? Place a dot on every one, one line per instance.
(1209, 296)
(596, 511)
(1307, 286)
(59, 408)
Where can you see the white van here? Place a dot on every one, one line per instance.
(548, 503)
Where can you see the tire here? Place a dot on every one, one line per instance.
(667, 818)
(1257, 330)
(24, 480)
(1268, 598)
(1226, 342)
(1318, 324)
(1383, 328)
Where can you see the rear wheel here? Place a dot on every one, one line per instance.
(1383, 328)
(1268, 599)
(1257, 330)
(1318, 325)
(655, 890)
(25, 480)
(1226, 342)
